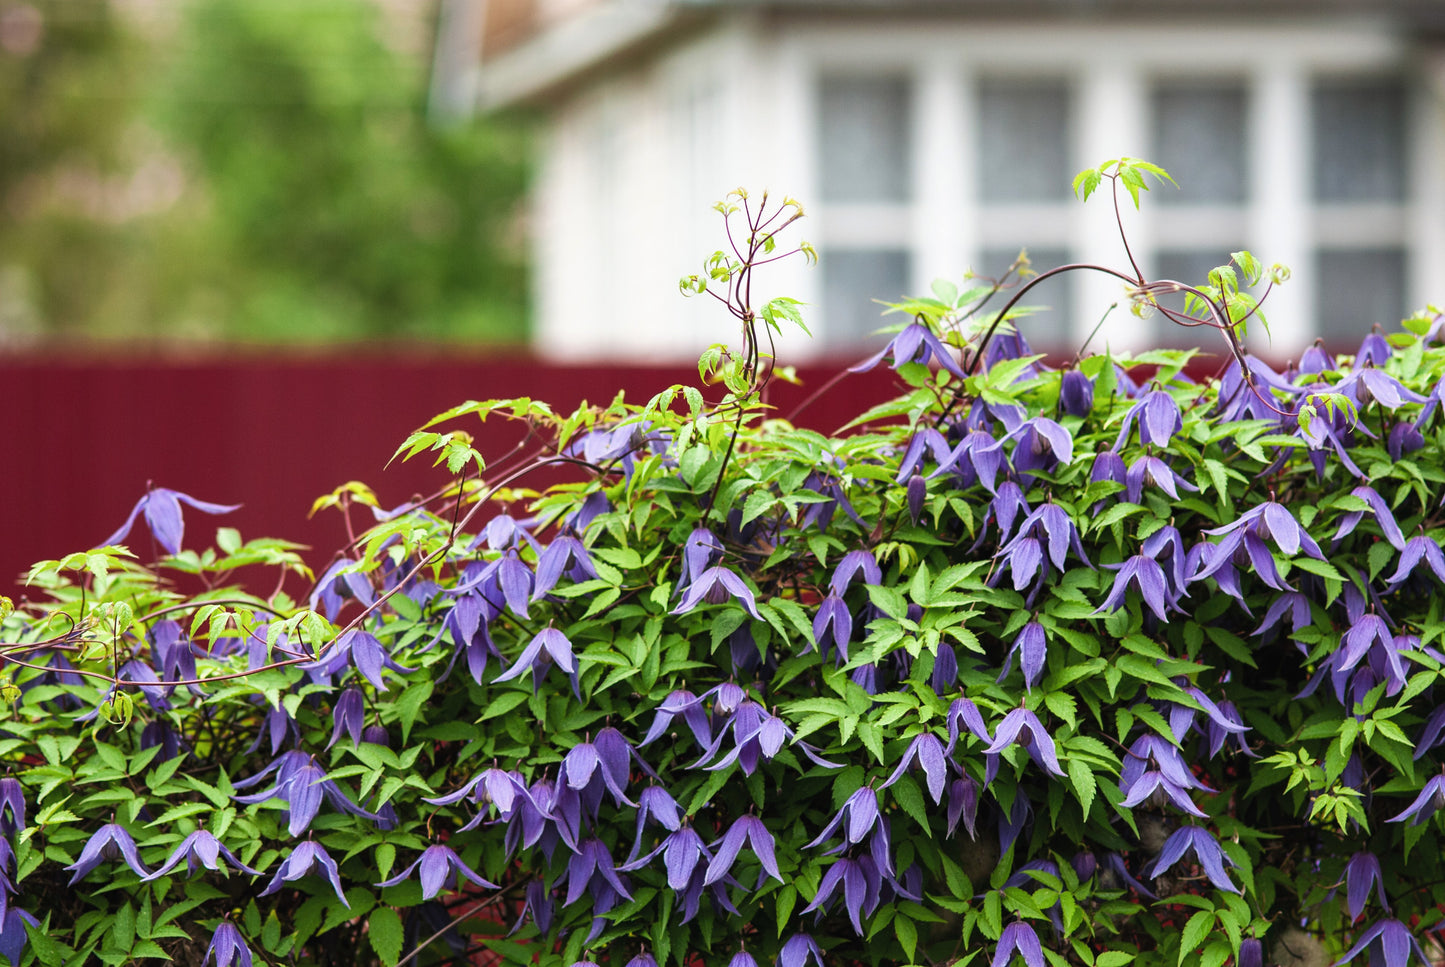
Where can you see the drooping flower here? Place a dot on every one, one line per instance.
(857, 818)
(1155, 765)
(228, 948)
(1430, 800)
(1418, 549)
(565, 555)
(744, 830)
(848, 569)
(1158, 417)
(361, 650)
(1018, 938)
(684, 703)
(301, 784)
(927, 752)
(717, 585)
(1031, 647)
(1145, 574)
(199, 849)
(302, 860)
(1391, 944)
(340, 581)
(1367, 384)
(590, 868)
(440, 866)
(756, 733)
(549, 646)
(1206, 849)
(799, 949)
(1023, 727)
(916, 343)
(12, 806)
(162, 509)
(1076, 393)
(1362, 872)
(861, 882)
(110, 842)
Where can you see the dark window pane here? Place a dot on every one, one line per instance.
(1199, 139)
(1359, 141)
(1024, 133)
(863, 140)
(852, 279)
(1192, 268)
(1356, 288)
(1047, 327)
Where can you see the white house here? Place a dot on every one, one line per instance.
(930, 138)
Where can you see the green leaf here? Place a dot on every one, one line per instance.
(1194, 932)
(384, 930)
(1084, 783)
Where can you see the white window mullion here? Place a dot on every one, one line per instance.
(1426, 229)
(1281, 221)
(943, 212)
(1110, 103)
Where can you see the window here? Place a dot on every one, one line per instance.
(1024, 134)
(852, 281)
(1357, 289)
(1199, 139)
(863, 140)
(1358, 141)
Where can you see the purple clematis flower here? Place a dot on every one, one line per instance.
(1431, 798)
(1206, 850)
(200, 849)
(756, 733)
(339, 582)
(862, 888)
(742, 959)
(1148, 578)
(591, 869)
(925, 439)
(1076, 393)
(1159, 419)
(689, 706)
(12, 806)
(1018, 937)
(1024, 728)
(1362, 872)
(749, 830)
(301, 784)
(565, 555)
(440, 866)
(1151, 471)
(1391, 945)
(1368, 384)
(848, 569)
(857, 817)
(227, 948)
(1156, 766)
(916, 343)
(362, 650)
(350, 715)
(717, 585)
(799, 949)
(303, 859)
(162, 509)
(927, 751)
(110, 842)
(1042, 445)
(833, 627)
(976, 459)
(1031, 646)
(1416, 550)
(549, 646)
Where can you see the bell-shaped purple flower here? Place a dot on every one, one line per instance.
(1206, 849)
(799, 949)
(12, 806)
(1158, 417)
(303, 859)
(1430, 800)
(1076, 393)
(927, 752)
(199, 849)
(1391, 944)
(440, 866)
(228, 948)
(1031, 647)
(1024, 728)
(1362, 872)
(916, 343)
(857, 818)
(549, 646)
(717, 585)
(1417, 550)
(162, 509)
(1018, 938)
(1145, 574)
(745, 830)
(110, 842)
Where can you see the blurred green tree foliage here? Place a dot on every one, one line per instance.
(306, 198)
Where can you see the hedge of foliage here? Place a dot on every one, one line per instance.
(1096, 665)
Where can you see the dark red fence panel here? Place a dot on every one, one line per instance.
(84, 436)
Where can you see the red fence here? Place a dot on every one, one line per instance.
(84, 436)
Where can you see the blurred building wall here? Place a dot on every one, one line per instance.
(930, 139)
